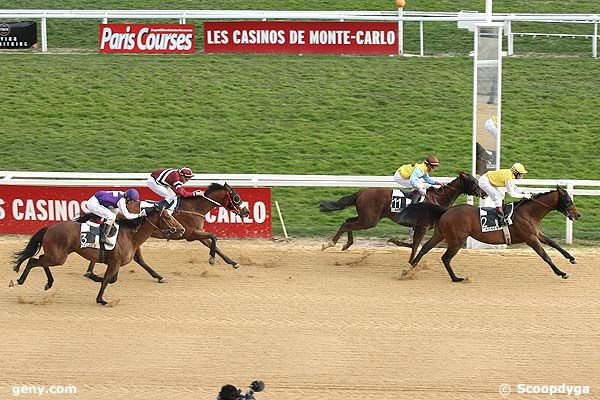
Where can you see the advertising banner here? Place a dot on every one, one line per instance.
(25, 209)
(18, 35)
(146, 38)
(301, 37)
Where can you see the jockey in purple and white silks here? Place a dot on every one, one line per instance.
(108, 203)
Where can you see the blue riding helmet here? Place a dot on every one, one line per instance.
(132, 194)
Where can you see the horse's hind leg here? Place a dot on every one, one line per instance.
(546, 240)
(535, 244)
(343, 228)
(30, 264)
(349, 242)
(417, 238)
(49, 277)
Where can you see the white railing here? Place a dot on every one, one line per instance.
(400, 16)
(109, 179)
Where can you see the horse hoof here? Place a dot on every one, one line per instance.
(88, 274)
(345, 248)
(47, 286)
(327, 245)
(211, 260)
(565, 276)
(573, 261)
(457, 279)
(162, 280)
(11, 283)
(236, 266)
(102, 302)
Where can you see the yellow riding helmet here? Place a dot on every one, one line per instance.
(518, 168)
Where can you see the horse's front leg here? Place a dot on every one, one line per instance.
(546, 240)
(535, 244)
(201, 235)
(90, 272)
(140, 260)
(109, 275)
(228, 260)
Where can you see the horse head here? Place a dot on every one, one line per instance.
(159, 217)
(564, 204)
(227, 198)
(470, 185)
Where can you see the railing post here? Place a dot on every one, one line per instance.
(400, 32)
(510, 36)
(421, 38)
(595, 38)
(569, 230)
(44, 35)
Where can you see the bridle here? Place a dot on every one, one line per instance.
(230, 204)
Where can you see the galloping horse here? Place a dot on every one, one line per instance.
(63, 238)
(374, 204)
(462, 221)
(190, 214)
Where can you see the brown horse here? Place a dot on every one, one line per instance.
(462, 221)
(190, 214)
(374, 204)
(63, 238)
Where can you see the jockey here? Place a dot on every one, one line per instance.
(413, 175)
(107, 204)
(492, 182)
(168, 184)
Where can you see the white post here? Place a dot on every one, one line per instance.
(488, 11)
(569, 232)
(510, 35)
(595, 40)
(421, 37)
(44, 36)
(400, 32)
(281, 219)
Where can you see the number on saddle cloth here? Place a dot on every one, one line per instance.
(489, 217)
(400, 200)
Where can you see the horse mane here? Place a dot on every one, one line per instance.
(213, 187)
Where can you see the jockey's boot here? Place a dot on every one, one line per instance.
(415, 196)
(104, 232)
(501, 216)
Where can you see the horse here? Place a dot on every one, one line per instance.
(373, 204)
(63, 238)
(190, 214)
(459, 222)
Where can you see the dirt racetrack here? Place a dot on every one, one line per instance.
(311, 324)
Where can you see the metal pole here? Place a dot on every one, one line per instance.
(400, 32)
(44, 36)
(488, 11)
(421, 37)
(569, 231)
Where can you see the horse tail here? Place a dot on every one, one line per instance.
(346, 201)
(32, 248)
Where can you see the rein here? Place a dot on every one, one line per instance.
(165, 232)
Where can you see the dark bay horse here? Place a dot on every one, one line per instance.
(462, 221)
(63, 238)
(190, 214)
(374, 204)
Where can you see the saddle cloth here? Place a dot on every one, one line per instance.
(400, 200)
(489, 217)
(89, 236)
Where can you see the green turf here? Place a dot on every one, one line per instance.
(296, 114)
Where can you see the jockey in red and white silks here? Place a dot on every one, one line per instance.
(168, 184)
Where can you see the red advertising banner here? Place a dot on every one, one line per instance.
(301, 37)
(146, 38)
(26, 209)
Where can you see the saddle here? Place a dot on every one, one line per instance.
(490, 221)
(90, 236)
